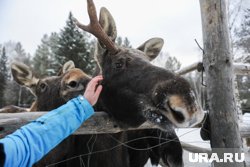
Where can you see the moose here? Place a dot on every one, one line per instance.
(70, 83)
(137, 89)
(76, 145)
(133, 91)
(20, 69)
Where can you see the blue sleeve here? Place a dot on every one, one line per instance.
(31, 142)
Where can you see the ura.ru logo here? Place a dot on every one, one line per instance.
(224, 158)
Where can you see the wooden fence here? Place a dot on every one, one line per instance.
(99, 123)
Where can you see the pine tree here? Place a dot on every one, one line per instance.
(123, 42)
(126, 43)
(164, 60)
(21, 55)
(3, 76)
(172, 64)
(119, 41)
(243, 43)
(11, 93)
(44, 59)
(74, 45)
(243, 34)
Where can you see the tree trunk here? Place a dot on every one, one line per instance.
(218, 64)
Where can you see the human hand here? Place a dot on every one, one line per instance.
(93, 90)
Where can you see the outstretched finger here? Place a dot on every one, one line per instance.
(94, 82)
(98, 91)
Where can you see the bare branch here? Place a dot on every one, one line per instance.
(199, 46)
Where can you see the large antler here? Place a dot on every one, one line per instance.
(95, 28)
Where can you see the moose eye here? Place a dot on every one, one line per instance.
(73, 84)
(119, 63)
(129, 59)
(43, 86)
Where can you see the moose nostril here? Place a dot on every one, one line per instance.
(73, 84)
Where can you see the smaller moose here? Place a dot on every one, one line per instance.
(52, 92)
(69, 84)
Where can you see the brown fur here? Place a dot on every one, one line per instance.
(52, 92)
(135, 91)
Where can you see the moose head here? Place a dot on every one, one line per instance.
(51, 92)
(134, 90)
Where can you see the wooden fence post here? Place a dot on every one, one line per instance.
(218, 64)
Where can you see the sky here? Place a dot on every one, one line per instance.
(178, 22)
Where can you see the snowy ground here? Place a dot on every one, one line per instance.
(190, 136)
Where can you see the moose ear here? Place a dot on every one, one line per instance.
(68, 66)
(152, 47)
(23, 75)
(107, 22)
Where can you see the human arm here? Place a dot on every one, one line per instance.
(31, 142)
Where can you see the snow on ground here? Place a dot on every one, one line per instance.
(190, 136)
